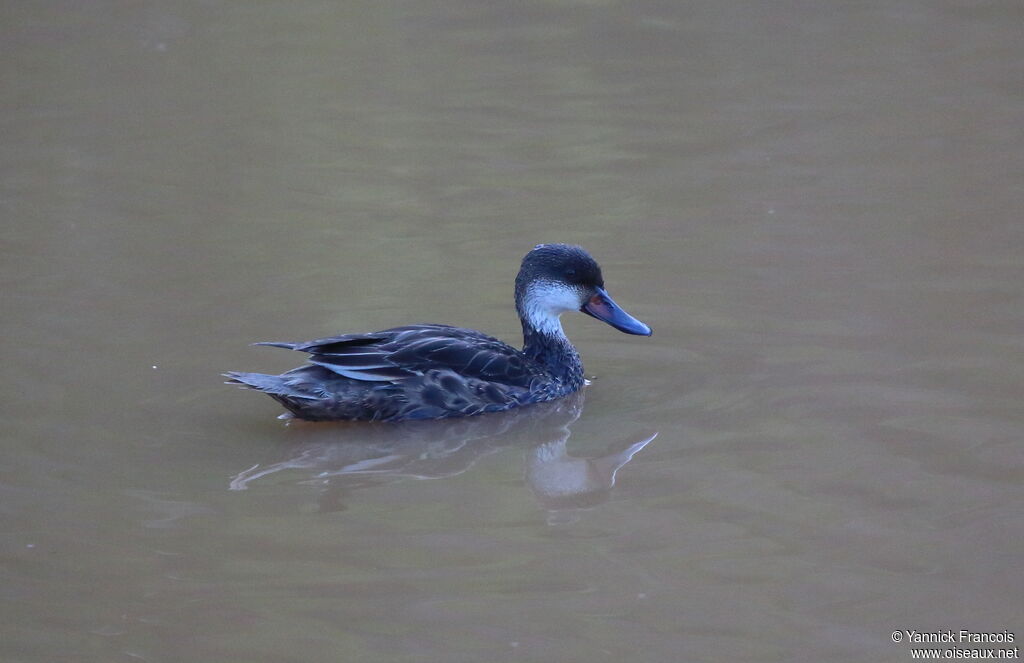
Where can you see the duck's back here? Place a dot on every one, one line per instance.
(414, 372)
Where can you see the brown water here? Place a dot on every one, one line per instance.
(816, 206)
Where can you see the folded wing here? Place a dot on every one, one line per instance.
(400, 353)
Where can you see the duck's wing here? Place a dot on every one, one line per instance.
(400, 353)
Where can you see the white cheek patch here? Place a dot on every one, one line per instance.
(546, 300)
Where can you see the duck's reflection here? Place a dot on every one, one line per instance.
(347, 457)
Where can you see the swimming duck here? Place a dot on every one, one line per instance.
(428, 371)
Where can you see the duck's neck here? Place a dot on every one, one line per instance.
(545, 343)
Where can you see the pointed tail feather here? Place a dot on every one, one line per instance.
(272, 384)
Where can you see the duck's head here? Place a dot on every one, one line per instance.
(555, 278)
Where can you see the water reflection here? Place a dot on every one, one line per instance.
(346, 457)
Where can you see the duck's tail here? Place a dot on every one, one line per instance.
(277, 387)
(271, 384)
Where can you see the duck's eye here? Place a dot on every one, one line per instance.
(570, 272)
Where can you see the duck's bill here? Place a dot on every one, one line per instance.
(604, 308)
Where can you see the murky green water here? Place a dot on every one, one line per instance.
(816, 207)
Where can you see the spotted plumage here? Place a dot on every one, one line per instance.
(428, 371)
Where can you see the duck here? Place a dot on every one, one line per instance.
(434, 371)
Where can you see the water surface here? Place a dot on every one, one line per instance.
(816, 207)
